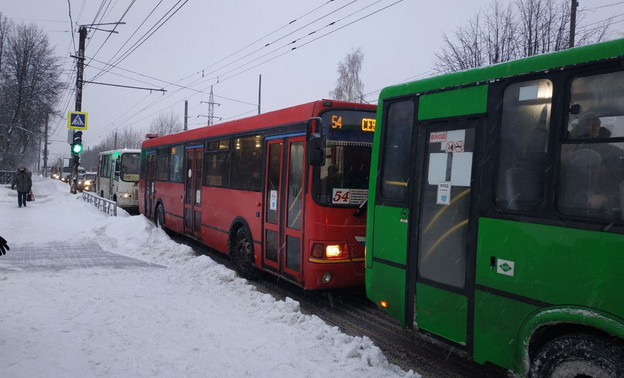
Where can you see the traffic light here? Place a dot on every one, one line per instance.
(76, 146)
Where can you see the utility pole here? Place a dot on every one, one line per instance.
(573, 21)
(185, 114)
(259, 92)
(45, 147)
(82, 32)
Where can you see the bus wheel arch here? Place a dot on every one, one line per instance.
(241, 250)
(584, 354)
(544, 333)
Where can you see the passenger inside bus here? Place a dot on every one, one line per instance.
(592, 172)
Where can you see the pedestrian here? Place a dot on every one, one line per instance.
(23, 183)
(4, 246)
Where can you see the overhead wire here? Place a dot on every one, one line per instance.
(270, 59)
(180, 87)
(187, 86)
(114, 27)
(267, 35)
(147, 35)
(135, 31)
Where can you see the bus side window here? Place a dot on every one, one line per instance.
(398, 138)
(523, 155)
(591, 175)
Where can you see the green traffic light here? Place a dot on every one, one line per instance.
(77, 148)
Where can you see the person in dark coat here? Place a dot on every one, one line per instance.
(23, 183)
(4, 246)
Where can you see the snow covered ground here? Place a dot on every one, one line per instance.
(192, 318)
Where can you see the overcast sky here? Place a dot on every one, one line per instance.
(227, 42)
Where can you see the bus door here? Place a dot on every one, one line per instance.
(283, 210)
(192, 190)
(440, 235)
(150, 178)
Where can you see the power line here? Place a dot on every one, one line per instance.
(145, 37)
(181, 87)
(71, 24)
(114, 28)
(203, 91)
(605, 6)
(135, 31)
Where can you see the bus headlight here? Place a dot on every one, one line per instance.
(329, 251)
(333, 251)
(126, 195)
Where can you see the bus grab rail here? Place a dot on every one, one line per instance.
(107, 206)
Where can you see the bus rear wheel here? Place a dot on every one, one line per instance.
(576, 356)
(242, 254)
(160, 217)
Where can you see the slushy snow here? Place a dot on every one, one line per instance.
(192, 317)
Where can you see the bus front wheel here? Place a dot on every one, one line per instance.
(578, 355)
(242, 254)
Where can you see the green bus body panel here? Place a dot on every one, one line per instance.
(442, 312)
(542, 62)
(387, 283)
(496, 324)
(390, 239)
(471, 100)
(554, 265)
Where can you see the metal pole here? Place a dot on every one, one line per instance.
(573, 22)
(259, 92)
(45, 147)
(185, 114)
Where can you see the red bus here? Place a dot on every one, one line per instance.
(282, 192)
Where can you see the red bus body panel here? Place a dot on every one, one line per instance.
(223, 207)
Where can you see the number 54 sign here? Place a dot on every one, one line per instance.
(342, 196)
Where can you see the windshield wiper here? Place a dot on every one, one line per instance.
(361, 209)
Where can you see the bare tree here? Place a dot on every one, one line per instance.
(29, 88)
(349, 86)
(521, 28)
(166, 124)
(5, 27)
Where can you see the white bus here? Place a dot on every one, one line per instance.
(118, 177)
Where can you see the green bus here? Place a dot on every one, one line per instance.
(495, 215)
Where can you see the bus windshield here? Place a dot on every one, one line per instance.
(130, 166)
(343, 179)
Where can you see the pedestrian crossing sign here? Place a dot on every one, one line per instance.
(77, 120)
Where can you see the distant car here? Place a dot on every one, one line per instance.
(67, 171)
(65, 174)
(86, 181)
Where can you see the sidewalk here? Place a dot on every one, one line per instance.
(60, 255)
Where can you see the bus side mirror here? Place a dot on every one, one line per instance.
(316, 151)
(117, 167)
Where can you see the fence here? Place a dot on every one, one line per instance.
(6, 177)
(107, 206)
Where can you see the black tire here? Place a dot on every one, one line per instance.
(576, 356)
(159, 219)
(242, 254)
